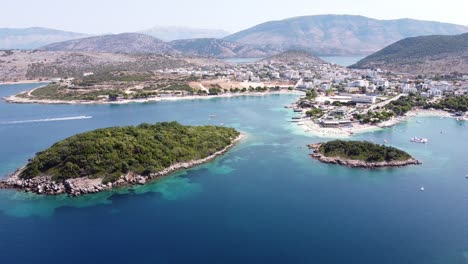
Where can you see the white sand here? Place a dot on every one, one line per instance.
(342, 132)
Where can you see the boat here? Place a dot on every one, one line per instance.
(419, 140)
(297, 110)
(422, 188)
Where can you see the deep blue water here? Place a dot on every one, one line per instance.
(265, 201)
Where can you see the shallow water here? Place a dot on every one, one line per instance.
(264, 201)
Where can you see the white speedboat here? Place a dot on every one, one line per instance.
(419, 140)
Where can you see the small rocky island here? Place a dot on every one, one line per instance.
(112, 157)
(361, 154)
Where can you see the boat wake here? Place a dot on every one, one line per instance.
(46, 120)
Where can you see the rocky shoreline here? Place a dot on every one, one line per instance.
(358, 163)
(15, 99)
(79, 186)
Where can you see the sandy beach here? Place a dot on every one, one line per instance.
(342, 132)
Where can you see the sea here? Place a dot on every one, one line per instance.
(344, 61)
(265, 201)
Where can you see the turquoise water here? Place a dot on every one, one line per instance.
(265, 201)
(339, 60)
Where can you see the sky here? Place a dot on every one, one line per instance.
(117, 16)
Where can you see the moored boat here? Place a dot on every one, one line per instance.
(419, 140)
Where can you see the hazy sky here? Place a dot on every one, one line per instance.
(115, 16)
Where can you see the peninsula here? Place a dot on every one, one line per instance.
(361, 154)
(112, 157)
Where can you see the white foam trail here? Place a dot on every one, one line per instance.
(46, 120)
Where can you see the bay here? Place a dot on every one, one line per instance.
(265, 201)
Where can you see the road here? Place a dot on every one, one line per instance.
(384, 103)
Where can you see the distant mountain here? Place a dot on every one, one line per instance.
(295, 56)
(422, 55)
(34, 37)
(175, 33)
(339, 34)
(131, 43)
(210, 47)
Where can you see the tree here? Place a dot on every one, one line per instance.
(311, 94)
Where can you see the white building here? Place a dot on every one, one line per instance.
(408, 88)
(382, 83)
(435, 92)
(275, 75)
(352, 89)
(325, 87)
(304, 85)
(359, 83)
(363, 99)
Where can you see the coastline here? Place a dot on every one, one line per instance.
(21, 100)
(23, 82)
(358, 163)
(344, 132)
(84, 185)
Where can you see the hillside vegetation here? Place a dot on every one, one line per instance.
(428, 54)
(362, 151)
(218, 48)
(35, 64)
(129, 43)
(111, 152)
(294, 57)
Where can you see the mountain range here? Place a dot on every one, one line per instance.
(335, 35)
(31, 38)
(339, 34)
(131, 43)
(137, 43)
(176, 33)
(422, 55)
(219, 48)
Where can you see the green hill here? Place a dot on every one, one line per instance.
(363, 151)
(111, 152)
(428, 54)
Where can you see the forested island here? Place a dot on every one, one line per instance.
(361, 154)
(105, 158)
